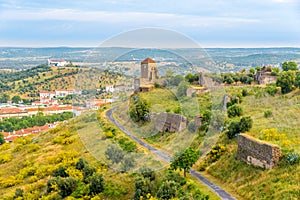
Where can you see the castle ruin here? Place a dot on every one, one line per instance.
(257, 152)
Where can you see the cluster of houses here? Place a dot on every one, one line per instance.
(11, 136)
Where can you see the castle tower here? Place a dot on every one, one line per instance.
(149, 69)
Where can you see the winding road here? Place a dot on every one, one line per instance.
(215, 188)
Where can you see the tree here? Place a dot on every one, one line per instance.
(297, 80)
(16, 99)
(184, 160)
(233, 129)
(139, 110)
(246, 124)
(168, 190)
(66, 186)
(2, 140)
(181, 90)
(241, 126)
(128, 162)
(4, 98)
(96, 184)
(114, 153)
(252, 70)
(286, 66)
(234, 110)
(286, 81)
(175, 81)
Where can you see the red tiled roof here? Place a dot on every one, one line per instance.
(11, 111)
(148, 60)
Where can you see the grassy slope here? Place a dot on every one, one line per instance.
(246, 182)
(250, 182)
(48, 157)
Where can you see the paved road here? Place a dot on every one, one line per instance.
(215, 188)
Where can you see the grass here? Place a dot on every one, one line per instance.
(251, 182)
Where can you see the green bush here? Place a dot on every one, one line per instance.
(236, 127)
(292, 158)
(234, 111)
(268, 113)
(60, 172)
(96, 184)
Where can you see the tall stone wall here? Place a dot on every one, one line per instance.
(257, 152)
(170, 122)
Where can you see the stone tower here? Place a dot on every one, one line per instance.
(149, 69)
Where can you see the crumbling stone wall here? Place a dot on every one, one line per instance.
(170, 122)
(257, 152)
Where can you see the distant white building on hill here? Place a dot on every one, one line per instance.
(57, 63)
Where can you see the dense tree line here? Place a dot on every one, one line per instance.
(21, 75)
(12, 124)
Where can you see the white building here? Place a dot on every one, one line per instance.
(57, 63)
(109, 88)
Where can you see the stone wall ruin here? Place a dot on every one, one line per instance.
(257, 152)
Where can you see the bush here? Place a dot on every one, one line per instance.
(96, 184)
(268, 113)
(235, 111)
(60, 172)
(271, 89)
(216, 152)
(168, 190)
(147, 173)
(5, 158)
(292, 158)
(68, 141)
(246, 124)
(66, 186)
(87, 172)
(19, 193)
(32, 148)
(81, 163)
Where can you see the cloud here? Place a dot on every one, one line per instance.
(147, 18)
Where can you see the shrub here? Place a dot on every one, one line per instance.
(246, 124)
(9, 182)
(233, 129)
(81, 163)
(168, 190)
(216, 152)
(147, 173)
(96, 184)
(268, 113)
(271, 89)
(32, 148)
(60, 172)
(87, 172)
(114, 153)
(18, 148)
(19, 192)
(234, 111)
(67, 141)
(5, 158)
(66, 186)
(292, 158)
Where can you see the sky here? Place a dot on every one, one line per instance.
(218, 23)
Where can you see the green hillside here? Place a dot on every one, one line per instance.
(59, 164)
